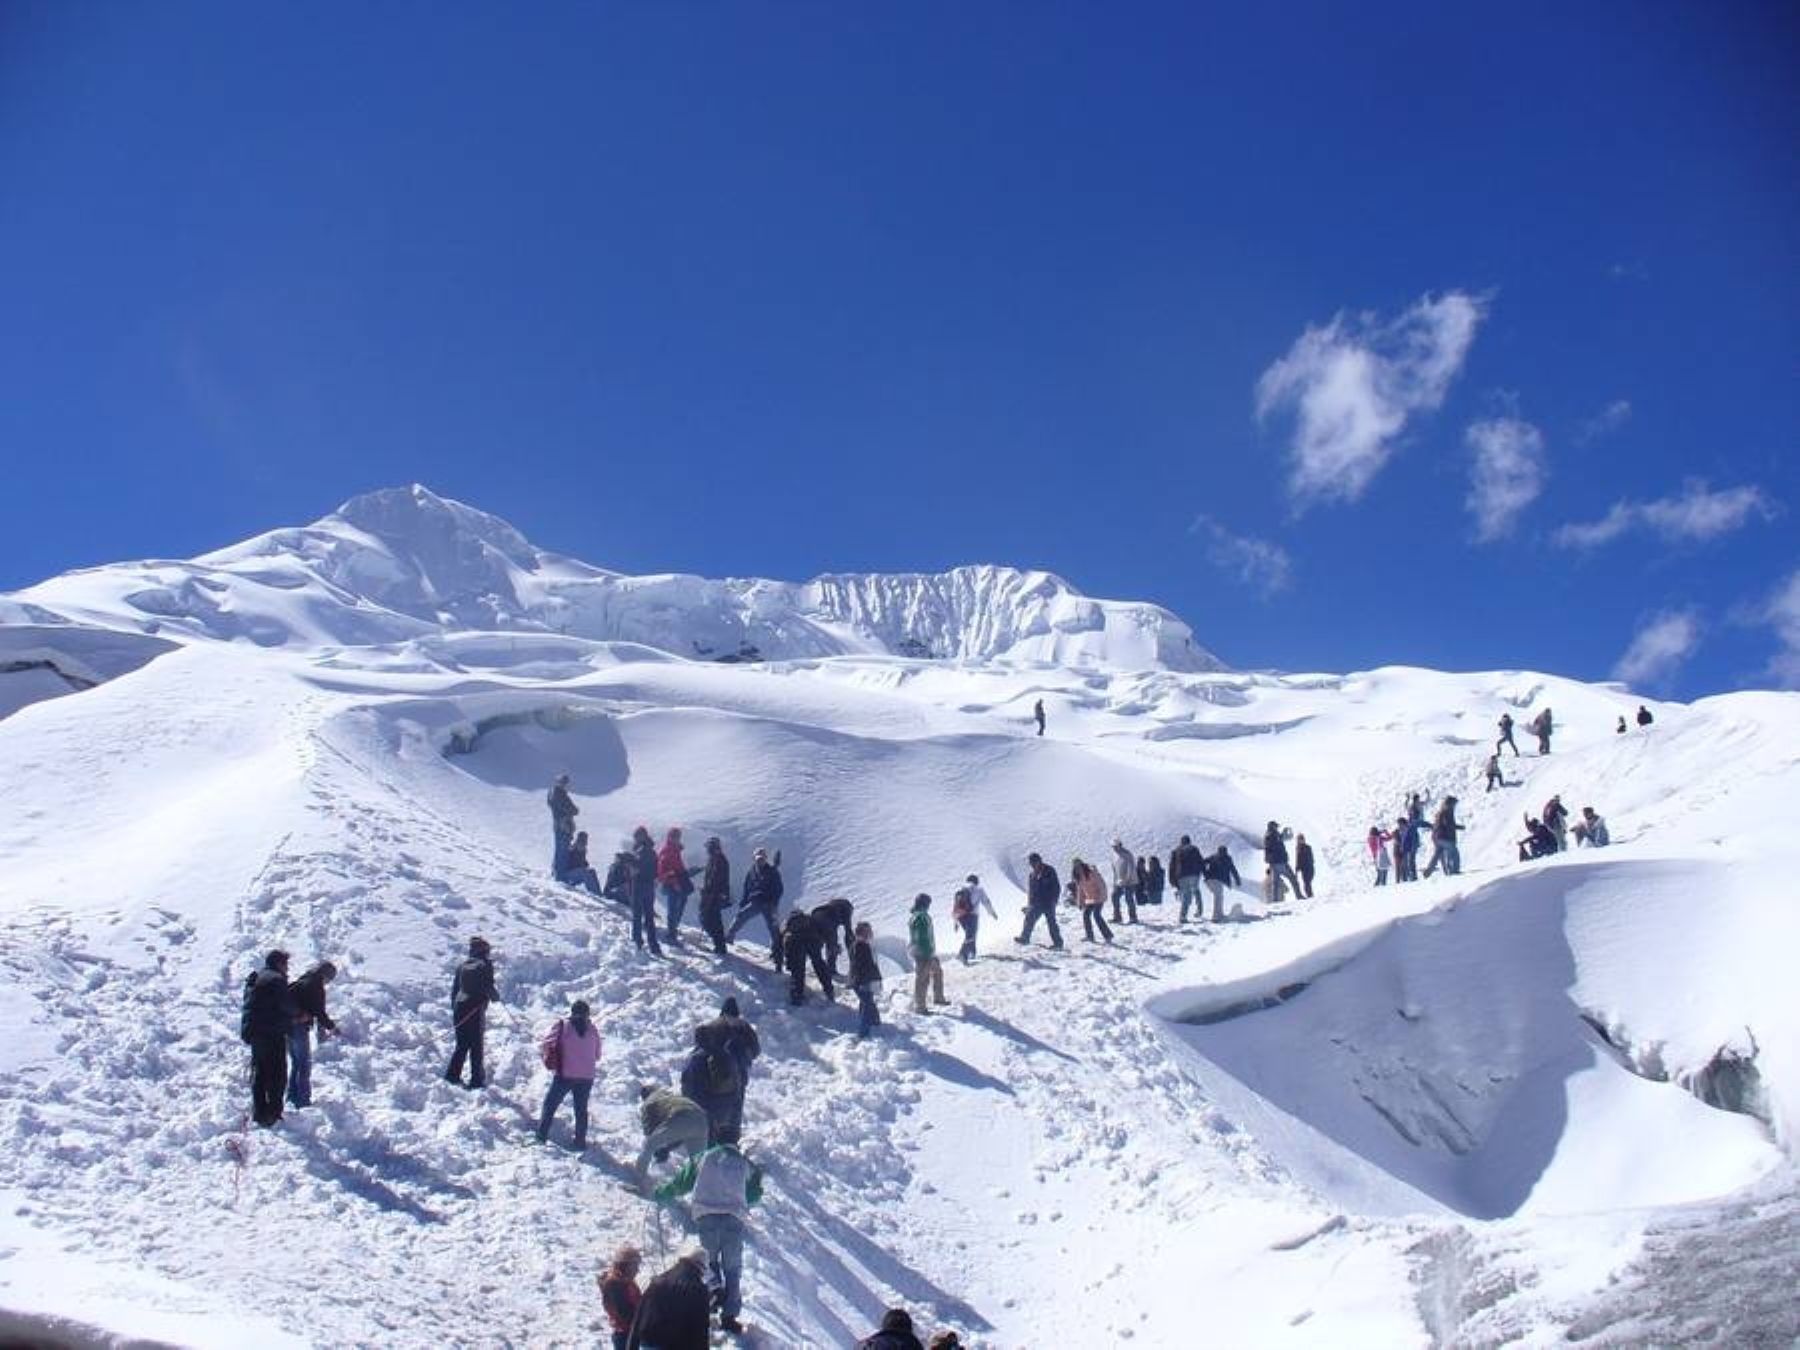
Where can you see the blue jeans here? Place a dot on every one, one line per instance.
(299, 1084)
(868, 1015)
(1190, 895)
(723, 1237)
(674, 902)
(971, 926)
(643, 920)
(561, 1087)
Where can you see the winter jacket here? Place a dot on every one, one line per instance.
(1090, 890)
(1043, 889)
(1274, 849)
(896, 1333)
(921, 938)
(1376, 839)
(1303, 859)
(577, 1049)
(864, 973)
(1444, 826)
(1153, 875)
(619, 882)
(1597, 834)
(721, 1180)
(643, 877)
(800, 936)
(619, 1297)
(1185, 861)
(675, 1312)
(732, 1036)
(308, 994)
(268, 1011)
(1124, 867)
(472, 987)
(713, 1081)
(715, 883)
(562, 809)
(1219, 867)
(576, 860)
(762, 886)
(671, 871)
(978, 901)
(662, 1106)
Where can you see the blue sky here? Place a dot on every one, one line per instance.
(1462, 336)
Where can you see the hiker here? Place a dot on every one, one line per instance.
(896, 1333)
(1042, 889)
(1556, 817)
(1124, 881)
(1538, 842)
(643, 892)
(724, 1184)
(832, 918)
(715, 893)
(562, 823)
(576, 871)
(1541, 727)
(619, 1293)
(675, 880)
(1444, 830)
(865, 979)
(1644, 717)
(675, 1312)
(1506, 736)
(307, 1004)
(1303, 864)
(1090, 895)
(1591, 829)
(1280, 871)
(762, 893)
(1038, 713)
(724, 1050)
(1377, 843)
(1620, 729)
(946, 1340)
(263, 1025)
(471, 990)
(620, 882)
(1150, 879)
(1185, 869)
(1219, 872)
(965, 910)
(1407, 859)
(670, 1121)
(801, 942)
(921, 944)
(571, 1051)
(1494, 777)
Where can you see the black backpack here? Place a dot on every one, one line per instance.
(722, 1075)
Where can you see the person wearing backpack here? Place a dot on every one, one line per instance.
(715, 893)
(308, 998)
(965, 911)
(865, 979)
(675, 880)
(723, 1185)
(263, 1024)
(762, 894)
(571, 1051)
(670, 1121)
(471, 990)
(717, 1073)
(921, 942)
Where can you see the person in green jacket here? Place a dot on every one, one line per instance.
(922, 943)
(723, 1184)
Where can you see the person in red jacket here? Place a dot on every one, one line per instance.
(619, 1293)
(675, 879)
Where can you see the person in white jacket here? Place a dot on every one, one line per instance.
(966, 909)
(721, 1185)
(1125, 882)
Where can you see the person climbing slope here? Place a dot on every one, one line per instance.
(471, 990)
(570, 1049)
(921, 943)
(723, 1184)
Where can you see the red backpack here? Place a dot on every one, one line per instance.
(550, 1047)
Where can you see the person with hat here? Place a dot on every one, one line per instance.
(308, 996)
(562, 824)
(762, 894)
(266, 1019)
(571, 1051)
(471, 990)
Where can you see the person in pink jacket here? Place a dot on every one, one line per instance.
(571, 1051)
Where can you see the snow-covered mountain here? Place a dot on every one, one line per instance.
(1541, 1103)
(404, 563)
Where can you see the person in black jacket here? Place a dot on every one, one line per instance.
(762, 893)
(832, 918)
(896, 1333)
(1218, 871)
(715, 893)
(1042, 890)
(307, 996)
(471, 991)
(576, 869)
(643, 891)
(1275, 854)
(705, 1079)
(1644, 716)
(865, 979)
(562, 824)
(1186, 869)
(620, 881)
(268, 1014)
(801, 942)
(1303, 864)
(675, 1312)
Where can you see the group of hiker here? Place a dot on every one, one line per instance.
(278, 1021)
(1401, 844)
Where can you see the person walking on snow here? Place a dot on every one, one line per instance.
(643, 892)
(1090, 896)
(1378, 853)
(966, 911)
(1124, 881)
(762, 893)
(675, 1312)
(308, 1003)
(1303, 864)
(1541, 727)
(921, 944)
(1185, 869)
(801, 942)
(722, 1185)
(1038, 713)
(717, 1074)
(715, 893)
(1444, 848)
(571, 1051)
(675, 880)
(562, 824)
(670, 1121)
(865, 979)
(1280, 871)
(1042, 891)
(1220, 872)
(264, 1023)
(1494, 778)
(619, 1293)
(833, 918)
(471, 990)
(1506, 736)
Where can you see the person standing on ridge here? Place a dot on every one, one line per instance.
(1038, 713)
(1506, 736)
(471, 990)
(1275, 854)
(308, 1001)
(865, 979)
(1124, 881)
(724, 1185)
(1090, 895)
(643, 892)
(921, 944)
(562, 824)
(1304, 865)
(1556, 816)
(715, 893)
(1150, 879)
(1042, 891)
(970, 900)
(675, 880)
(266, 1019)
(762, 893)
(571, 1051)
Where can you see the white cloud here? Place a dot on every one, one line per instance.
(1353, 384)
(1506, 475)
(1698, 513)
(1782, 613)
(1603, 423)
(1660, 646)
(1257, 563)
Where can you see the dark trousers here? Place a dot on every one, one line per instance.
(797, 957)
(268, 1078)
(643, 920)
(767, 914)
(868, 1015)
(469, 1028)
(971, 926)
(1048, 914)
(1091, 915)
(1306, 883)
(1129, 895)
(561, 1087)
(712, 919)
